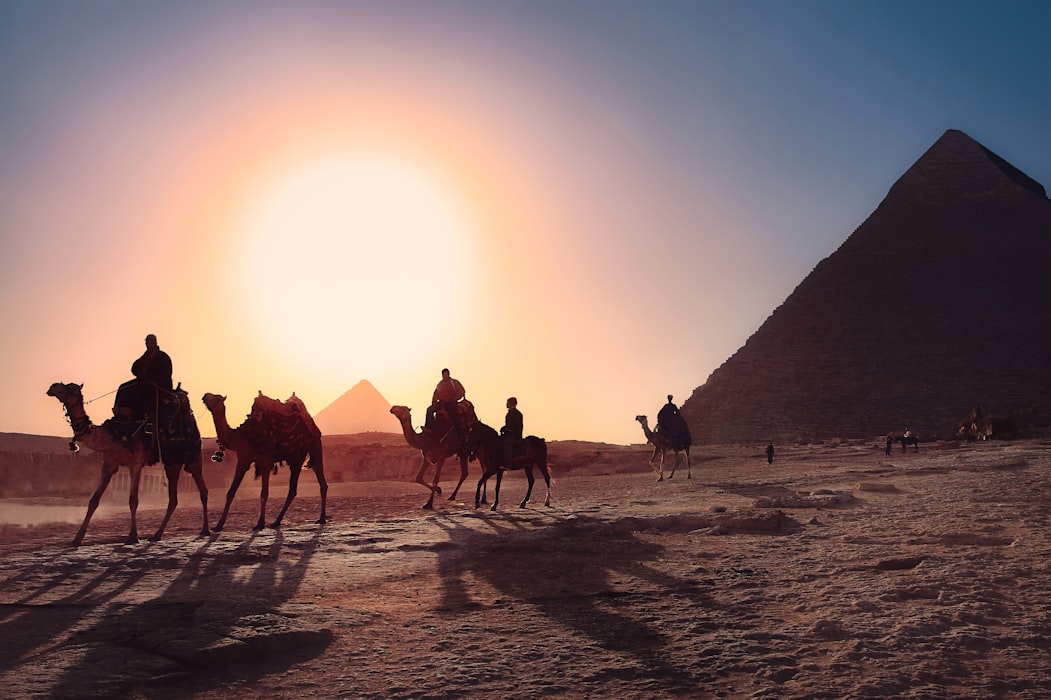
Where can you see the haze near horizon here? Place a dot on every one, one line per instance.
(586, 205)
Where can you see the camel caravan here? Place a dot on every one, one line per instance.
(153, 422)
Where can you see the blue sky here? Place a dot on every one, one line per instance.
(609, 156)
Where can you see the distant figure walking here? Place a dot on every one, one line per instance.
(890, 441)
(770, 453)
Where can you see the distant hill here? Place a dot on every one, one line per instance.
(362, 409)
(939, 301)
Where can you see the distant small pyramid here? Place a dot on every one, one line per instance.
(940, 300)
(362, 409)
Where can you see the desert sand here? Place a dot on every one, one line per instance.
(835, 572)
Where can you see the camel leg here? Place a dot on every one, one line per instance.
(429, 505)
(293, 489)
(133, 505)
(463, 474)
(323, 485)
(172, 472)
(419, 477)
(239, 474)
(529, 489)
(108, 470)
(689, 472)
(197, 472)
(264, 494)
(317, 464)
(674, 465)
(660, 465)
(496, 494)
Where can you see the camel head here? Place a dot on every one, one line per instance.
(67, 393)
(214, 402)
(402, 413)
(642, 419)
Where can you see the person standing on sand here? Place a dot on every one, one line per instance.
(770, 453)
(890, 441)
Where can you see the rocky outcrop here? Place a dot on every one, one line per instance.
(939, 301)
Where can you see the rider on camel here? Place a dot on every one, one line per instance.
(447, 394)
(512, 430)
(153, 371)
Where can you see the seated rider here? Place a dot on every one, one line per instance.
(512, 430)
(153, 371)
(668, 417)
(447, 394)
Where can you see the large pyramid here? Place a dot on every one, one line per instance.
(939, 301)
(361, 409)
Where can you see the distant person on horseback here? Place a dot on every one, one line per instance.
(512, 430)
(153, 371)
(447, 394)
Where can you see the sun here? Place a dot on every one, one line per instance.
(354, 262)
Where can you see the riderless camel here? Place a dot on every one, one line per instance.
(274, 432)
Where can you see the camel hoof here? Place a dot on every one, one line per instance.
(428, 506)
(218, 528)
(204, 533)
(258, 527)
(322, 520)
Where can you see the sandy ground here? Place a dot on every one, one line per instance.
(836, 572)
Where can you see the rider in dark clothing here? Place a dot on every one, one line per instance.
(512, 430)
(153, 371)
(154, 365)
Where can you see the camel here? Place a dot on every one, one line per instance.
(437, 444)
(909, 440)
(662, 442)
(487, 445)
(274, 432)
(180, 450)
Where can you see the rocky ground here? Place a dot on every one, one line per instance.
(836, 572)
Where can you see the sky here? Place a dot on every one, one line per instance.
(587, 204)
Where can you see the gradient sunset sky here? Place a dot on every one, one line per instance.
(587, 204)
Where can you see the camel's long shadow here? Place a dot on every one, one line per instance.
(39, 624)
(587, 592)
(222, 606)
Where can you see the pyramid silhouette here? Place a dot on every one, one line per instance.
(939, 301)
(361, 409)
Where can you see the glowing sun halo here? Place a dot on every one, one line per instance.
(353, 263)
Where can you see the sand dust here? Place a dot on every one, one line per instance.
(836, 572)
